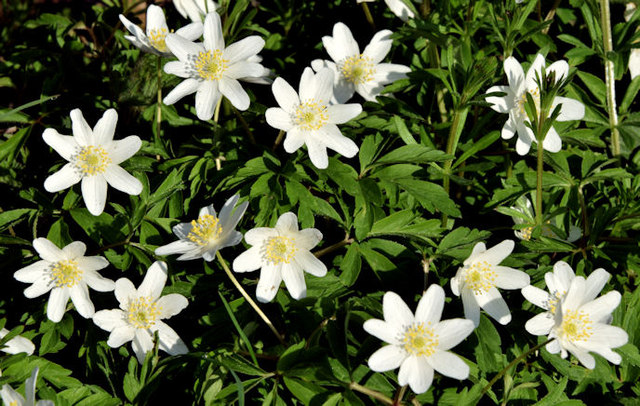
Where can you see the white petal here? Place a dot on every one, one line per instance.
(57, 304)
(182, 48)
(94, 193)
(121, 150)
(396, 312)
(451, 332)
(176, 247)
(501, 104)
(379, 46)
(177, 68)
(243, 49)
(600, 308)
(155, 18)
(285, 95)
(169, 341)
(293, 140)
(560, 279)
(509, 129)
(39, 288)
(553, 347)
(279, 119)
(66, 177)
(449, 364)
(242, 70)
(33, 272)
(341, 113)
(80, 297)
(154, 280)
(341, 45)
(495, 254)
(287, 222)
(207, 97)
(317, 153)
(122, 180)
(308, 238)
(18, 344)
(606, 336)
(509, 278)
(495, 306)
(470, 305)
(387, 358)
(400, 9)
(185, 88)
(65, 145)
(571, 109)
(109, 319)
(120, 335)
(536, 67)
(92, 263)
(232, 90)
(124, 291)
(248, 261)
(382, 330)
(515, 74)
(536, 296)
(560, 68)
(333, 139)
(309, 263)
(525, 138)
(105, 127)
(552, 141)
(417, 373)
(142, 343)
(256, 236)
(97, 282)
(595, 282)
(573, 299)
(293, 278)
(81, 130)
(430, 307)
(540, 324)
(212, 33)
(171, 304)
(74, 250)
(181, 230)
(48, 250)
(191, 31)
(321, 89)
(583, 356)
(269, 283)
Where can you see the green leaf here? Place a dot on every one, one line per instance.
(403, 131)
(415, 154)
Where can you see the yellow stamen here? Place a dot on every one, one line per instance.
(210, 65)
(420, 340)
(357, 69)
(205, 230)
(92, 160)
(157, 39)
(66, 273)
(576, 326)
(522, 102)
(480, 277)
(311, 115)
(143, 312)
(279, 249)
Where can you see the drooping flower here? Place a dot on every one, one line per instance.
(17, 344)
(558, 283)
(480, 276)
(524, 206)
(634, 55)
(94, 157)
(582, 326)
(203, 237)
(12, 398)
(153, 41)
(309, 119)
(141, 312)
(282, 253)
(419, 344)
(397, 7)
(513, 103)
(212, 70)
(67, 273)
(195, 9)
(359, 72)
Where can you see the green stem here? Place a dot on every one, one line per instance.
(367, 14)
(159, 104)
(605, 19)
(248, 298)
(370, 392)
(333, 247)
(583, 208)
(279, 139)
(539, 216)
(511, 364)
(455, 131)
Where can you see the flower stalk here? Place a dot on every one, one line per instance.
(459, 118)
(605, 21)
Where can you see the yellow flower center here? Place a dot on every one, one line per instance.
(576, 326)
(311, 115)
(66, 273)
(279, 249)
(92, 160)
(420, 340)
(205, 230)
(210, 65)
(157, 37)
(527, 232)
(480, 277)
(143, 312)
(357, 69)
(554, 300)
(522, 102)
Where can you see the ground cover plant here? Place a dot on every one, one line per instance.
(441, 198)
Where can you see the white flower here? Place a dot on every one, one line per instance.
(419, 344)
(582, 325)
(524, 206)
(202, 238)
(310, 119)
(397, 7)
(516, 98)
(67, 273)
(558, 283)
(12, 398)
(480, 276)
(141, 313)
(212, 70)
(195, 9)
(634, 56)
(359, 72)
(94, 157)
(156, 32)
(282, 253)
(17, 344)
